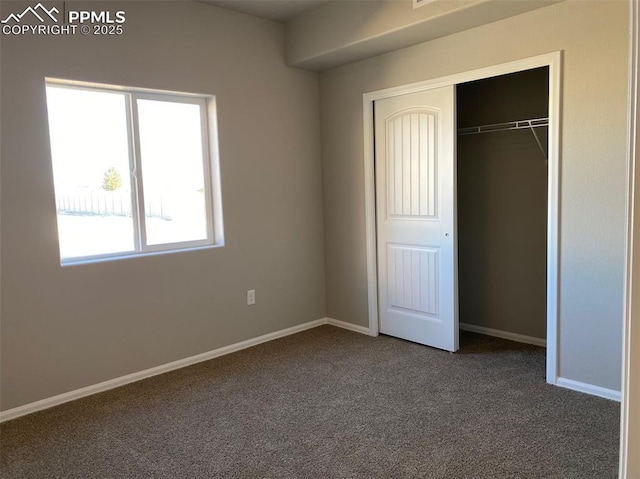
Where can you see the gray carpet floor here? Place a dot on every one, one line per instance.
(328, 403)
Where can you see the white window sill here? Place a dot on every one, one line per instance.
(133, 254)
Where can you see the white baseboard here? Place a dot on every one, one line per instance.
(181, 363)
(589, 389)
(147, 373)
(351, 327)
(520, 338)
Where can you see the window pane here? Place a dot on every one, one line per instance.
(172, 171)
(90, 155)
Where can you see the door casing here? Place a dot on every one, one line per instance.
(554, 62)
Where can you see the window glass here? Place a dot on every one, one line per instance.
(90, 155)
(172, 171)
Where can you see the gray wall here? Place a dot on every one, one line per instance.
(502, 205)
(593, 36)
(65, 328)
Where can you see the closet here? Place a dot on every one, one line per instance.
(502, 146)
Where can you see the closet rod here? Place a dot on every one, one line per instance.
(510, 125)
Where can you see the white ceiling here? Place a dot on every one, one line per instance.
(276, 10)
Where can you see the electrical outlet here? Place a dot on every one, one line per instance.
(251, 296)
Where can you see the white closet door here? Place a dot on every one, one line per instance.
(415, 203)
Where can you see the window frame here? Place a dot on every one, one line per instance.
(210, 163)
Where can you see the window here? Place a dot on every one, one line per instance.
(135, 172)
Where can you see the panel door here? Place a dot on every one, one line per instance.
(415, 213)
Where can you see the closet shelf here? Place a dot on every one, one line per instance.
(510, 125)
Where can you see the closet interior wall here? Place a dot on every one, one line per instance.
(502, 204)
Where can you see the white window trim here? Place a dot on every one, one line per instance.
(211, 165)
